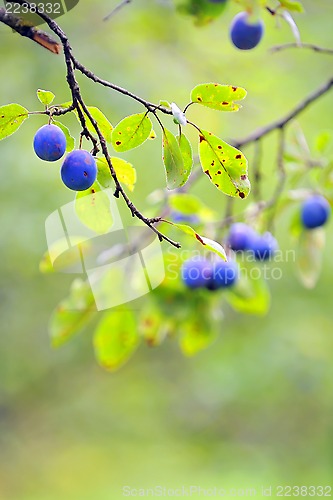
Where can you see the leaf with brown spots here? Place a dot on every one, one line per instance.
(116, 338)
(11, 118)
(176, 173)
(131, 132)
(224, 165)
(219, 97)
(208, 244)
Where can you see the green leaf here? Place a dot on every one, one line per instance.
(188, 204)
(131, 132)
(72, 314)
(11, 118)
(310, 255)
(187, 154)
(211, 245)
(250, 295)
(219, 97)
(225, 165)
(115, 340)
(176, 172)
(196, 334)
(203, 11)
(152, 325)
(292, 5)
(70, 141)
(165, 104)
(103, 123)
(125, 171)
(103, 173)
(93, 209)
(323, 141)
(45, 97)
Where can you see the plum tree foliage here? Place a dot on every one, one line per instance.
(188, 304)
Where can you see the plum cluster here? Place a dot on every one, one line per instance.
(199, 272)
(78, 171)
(246, 32)
(243, 238)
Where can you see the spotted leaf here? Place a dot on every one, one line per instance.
(211, 245)
(219, 97)
(225, 165)
(131, 132)
(11, 118)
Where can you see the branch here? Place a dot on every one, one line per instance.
(116, 9)
(280, 124)
(28, 31)
(294, 45)
(80, 106)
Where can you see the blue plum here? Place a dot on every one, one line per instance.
(79, 170)
(240, 236)
(264, 246)
(315, 212)
(196, 272)
(49, 143)
(225, 274)
(244, 33)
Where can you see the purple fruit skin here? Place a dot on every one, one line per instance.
(244, 34)
(240, 236)
(196, 272)
(49, 143)
(264, 246)
(79, 171)
(225, 274)
(315, 212)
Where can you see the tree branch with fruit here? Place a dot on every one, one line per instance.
(90, 171)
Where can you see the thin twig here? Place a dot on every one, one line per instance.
(294, 45)
(282, 122)
(116, 9)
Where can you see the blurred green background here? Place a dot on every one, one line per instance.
(255, 409)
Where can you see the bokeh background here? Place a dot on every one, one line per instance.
(255, 409)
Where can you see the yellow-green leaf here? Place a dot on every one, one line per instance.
(11, 118)
(45, 97)
(72, 314)
(131, 132)
(176, 173)
(70, 141)
(125, 171)
(209, 244)
(93, 208)
(292, 5)
(103, 123)
(219, 97)
(187, 154)
(115, 340)
(196, 334)
(225, 165)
